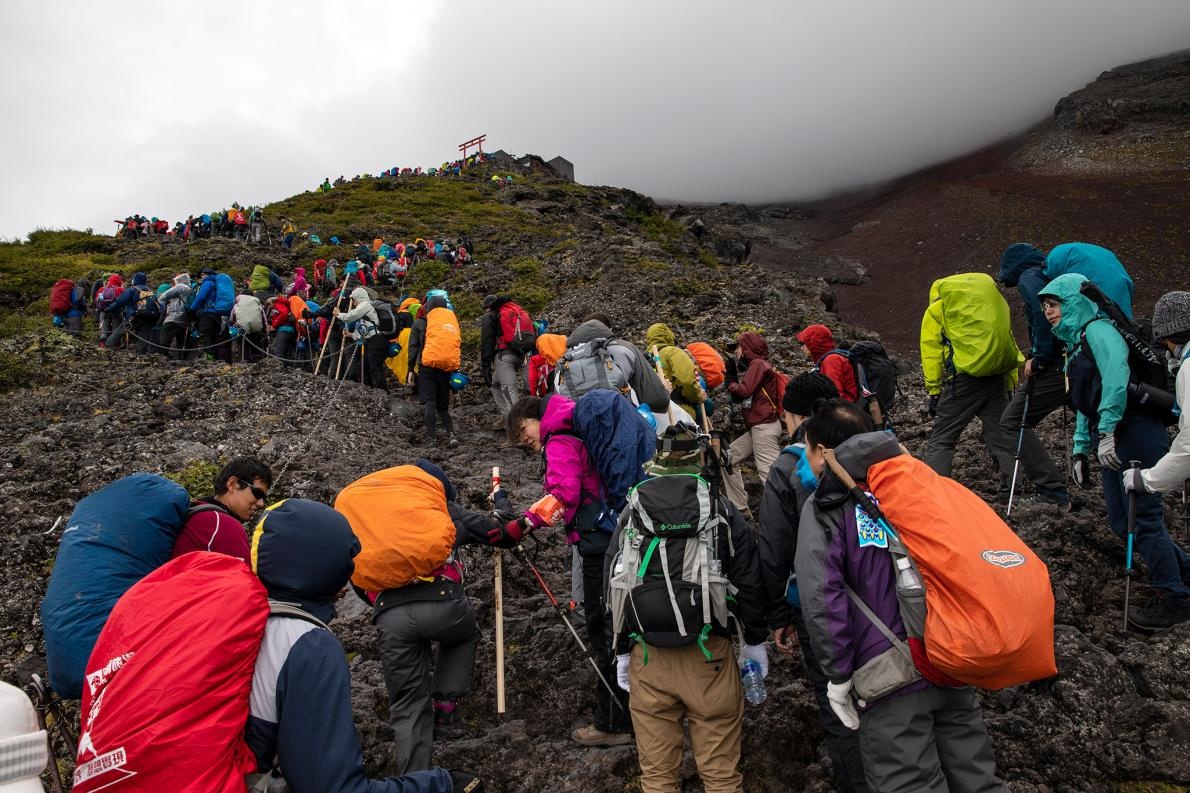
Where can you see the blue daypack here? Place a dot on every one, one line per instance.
(620, 444)
(225, 294)
(115, 537)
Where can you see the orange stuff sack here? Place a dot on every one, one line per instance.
(298, 307)
(989, 618)
(400, 517)
(709, 361)
(443, 347)
(552, 346)
(376, 243)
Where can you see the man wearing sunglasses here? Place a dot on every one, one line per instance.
(216, 523)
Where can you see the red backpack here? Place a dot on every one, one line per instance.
(516, 330)
(167, 686)
(60, 297)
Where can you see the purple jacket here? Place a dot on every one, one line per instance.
(570, 474)
(829, 556)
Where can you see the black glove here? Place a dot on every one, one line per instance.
(1080, 471)
(733, 372)
(466, 783)
(932, 406)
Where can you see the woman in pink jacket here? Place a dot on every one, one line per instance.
(547, 425)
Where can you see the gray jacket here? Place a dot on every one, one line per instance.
(641, 375)
(174, 299)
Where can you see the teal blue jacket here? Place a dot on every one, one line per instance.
(1107, 349)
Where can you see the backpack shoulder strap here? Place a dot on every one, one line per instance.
(205, 506)
(901, 646)
(279, 608)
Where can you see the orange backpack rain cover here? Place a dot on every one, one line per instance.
(443, 347)
(400, 517)
(989, 604)
(709, 361)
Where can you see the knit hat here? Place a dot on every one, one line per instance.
(804, 390)
(678, 449)
(1171, 315)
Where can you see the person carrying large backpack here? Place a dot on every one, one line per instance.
(620, 365)
(248, 319)
(683, 579)
(425, 625)
(213, 303)
(138, 309)
(506, 336)
(73, 318)
(761, 391)
(790, 485)
(818, 343)
(435, 349)
(1043, 387)
(1120, 430)
(582, 507)
(679, 369)
(1098, 265)
(914, 735)
(550, 347)
(969, 360)
(367, 333)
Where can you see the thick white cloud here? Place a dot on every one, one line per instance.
(181, 107)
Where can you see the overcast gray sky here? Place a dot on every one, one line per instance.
(171, 108)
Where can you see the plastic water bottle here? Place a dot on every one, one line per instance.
(907, 580)
(753, 680)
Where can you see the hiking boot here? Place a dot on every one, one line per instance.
(451, 442)
(593, 736)
(1163, 613)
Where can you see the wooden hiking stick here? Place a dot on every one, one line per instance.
(669, 409)
(498, 588)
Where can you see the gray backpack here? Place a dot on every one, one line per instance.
(667, 586)
(588, 366)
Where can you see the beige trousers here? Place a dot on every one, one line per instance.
(681, 681)
(762, 442)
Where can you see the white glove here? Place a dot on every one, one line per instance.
(1107, 453)
(622, 663)
(1134, 482)
(758, 653)
(842, 704)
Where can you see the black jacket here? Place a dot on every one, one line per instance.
(780, 510)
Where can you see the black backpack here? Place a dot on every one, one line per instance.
(147, 306)
(1150, 383)
(875, 374)
(387, 318)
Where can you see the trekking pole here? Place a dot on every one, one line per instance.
(42, 702)
(519, 552)
(498, 588)
(1133, 499)
(1020, 439)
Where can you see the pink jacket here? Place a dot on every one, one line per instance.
(570, 474)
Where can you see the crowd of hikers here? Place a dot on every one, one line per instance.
(900, 589)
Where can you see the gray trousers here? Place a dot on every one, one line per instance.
(930, 741)
(962, 399)
(505, 388)
(406, 633)
(1048, 394)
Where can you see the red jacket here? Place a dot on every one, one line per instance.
(540, 372)
(281, 315)
(819, 340)
(759, 383)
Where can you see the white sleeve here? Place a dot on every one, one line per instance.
(1174, 468)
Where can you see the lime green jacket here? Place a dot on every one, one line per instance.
(967, 330)
(676, 363)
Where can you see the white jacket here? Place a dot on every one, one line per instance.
(1174, 468)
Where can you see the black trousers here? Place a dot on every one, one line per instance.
(433, 389)
(610, 716)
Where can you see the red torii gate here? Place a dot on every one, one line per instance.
(477, 142)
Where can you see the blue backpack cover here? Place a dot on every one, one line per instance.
(116, 536)
(619, 442)
(225, 294)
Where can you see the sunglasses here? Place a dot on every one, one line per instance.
(257, 493)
